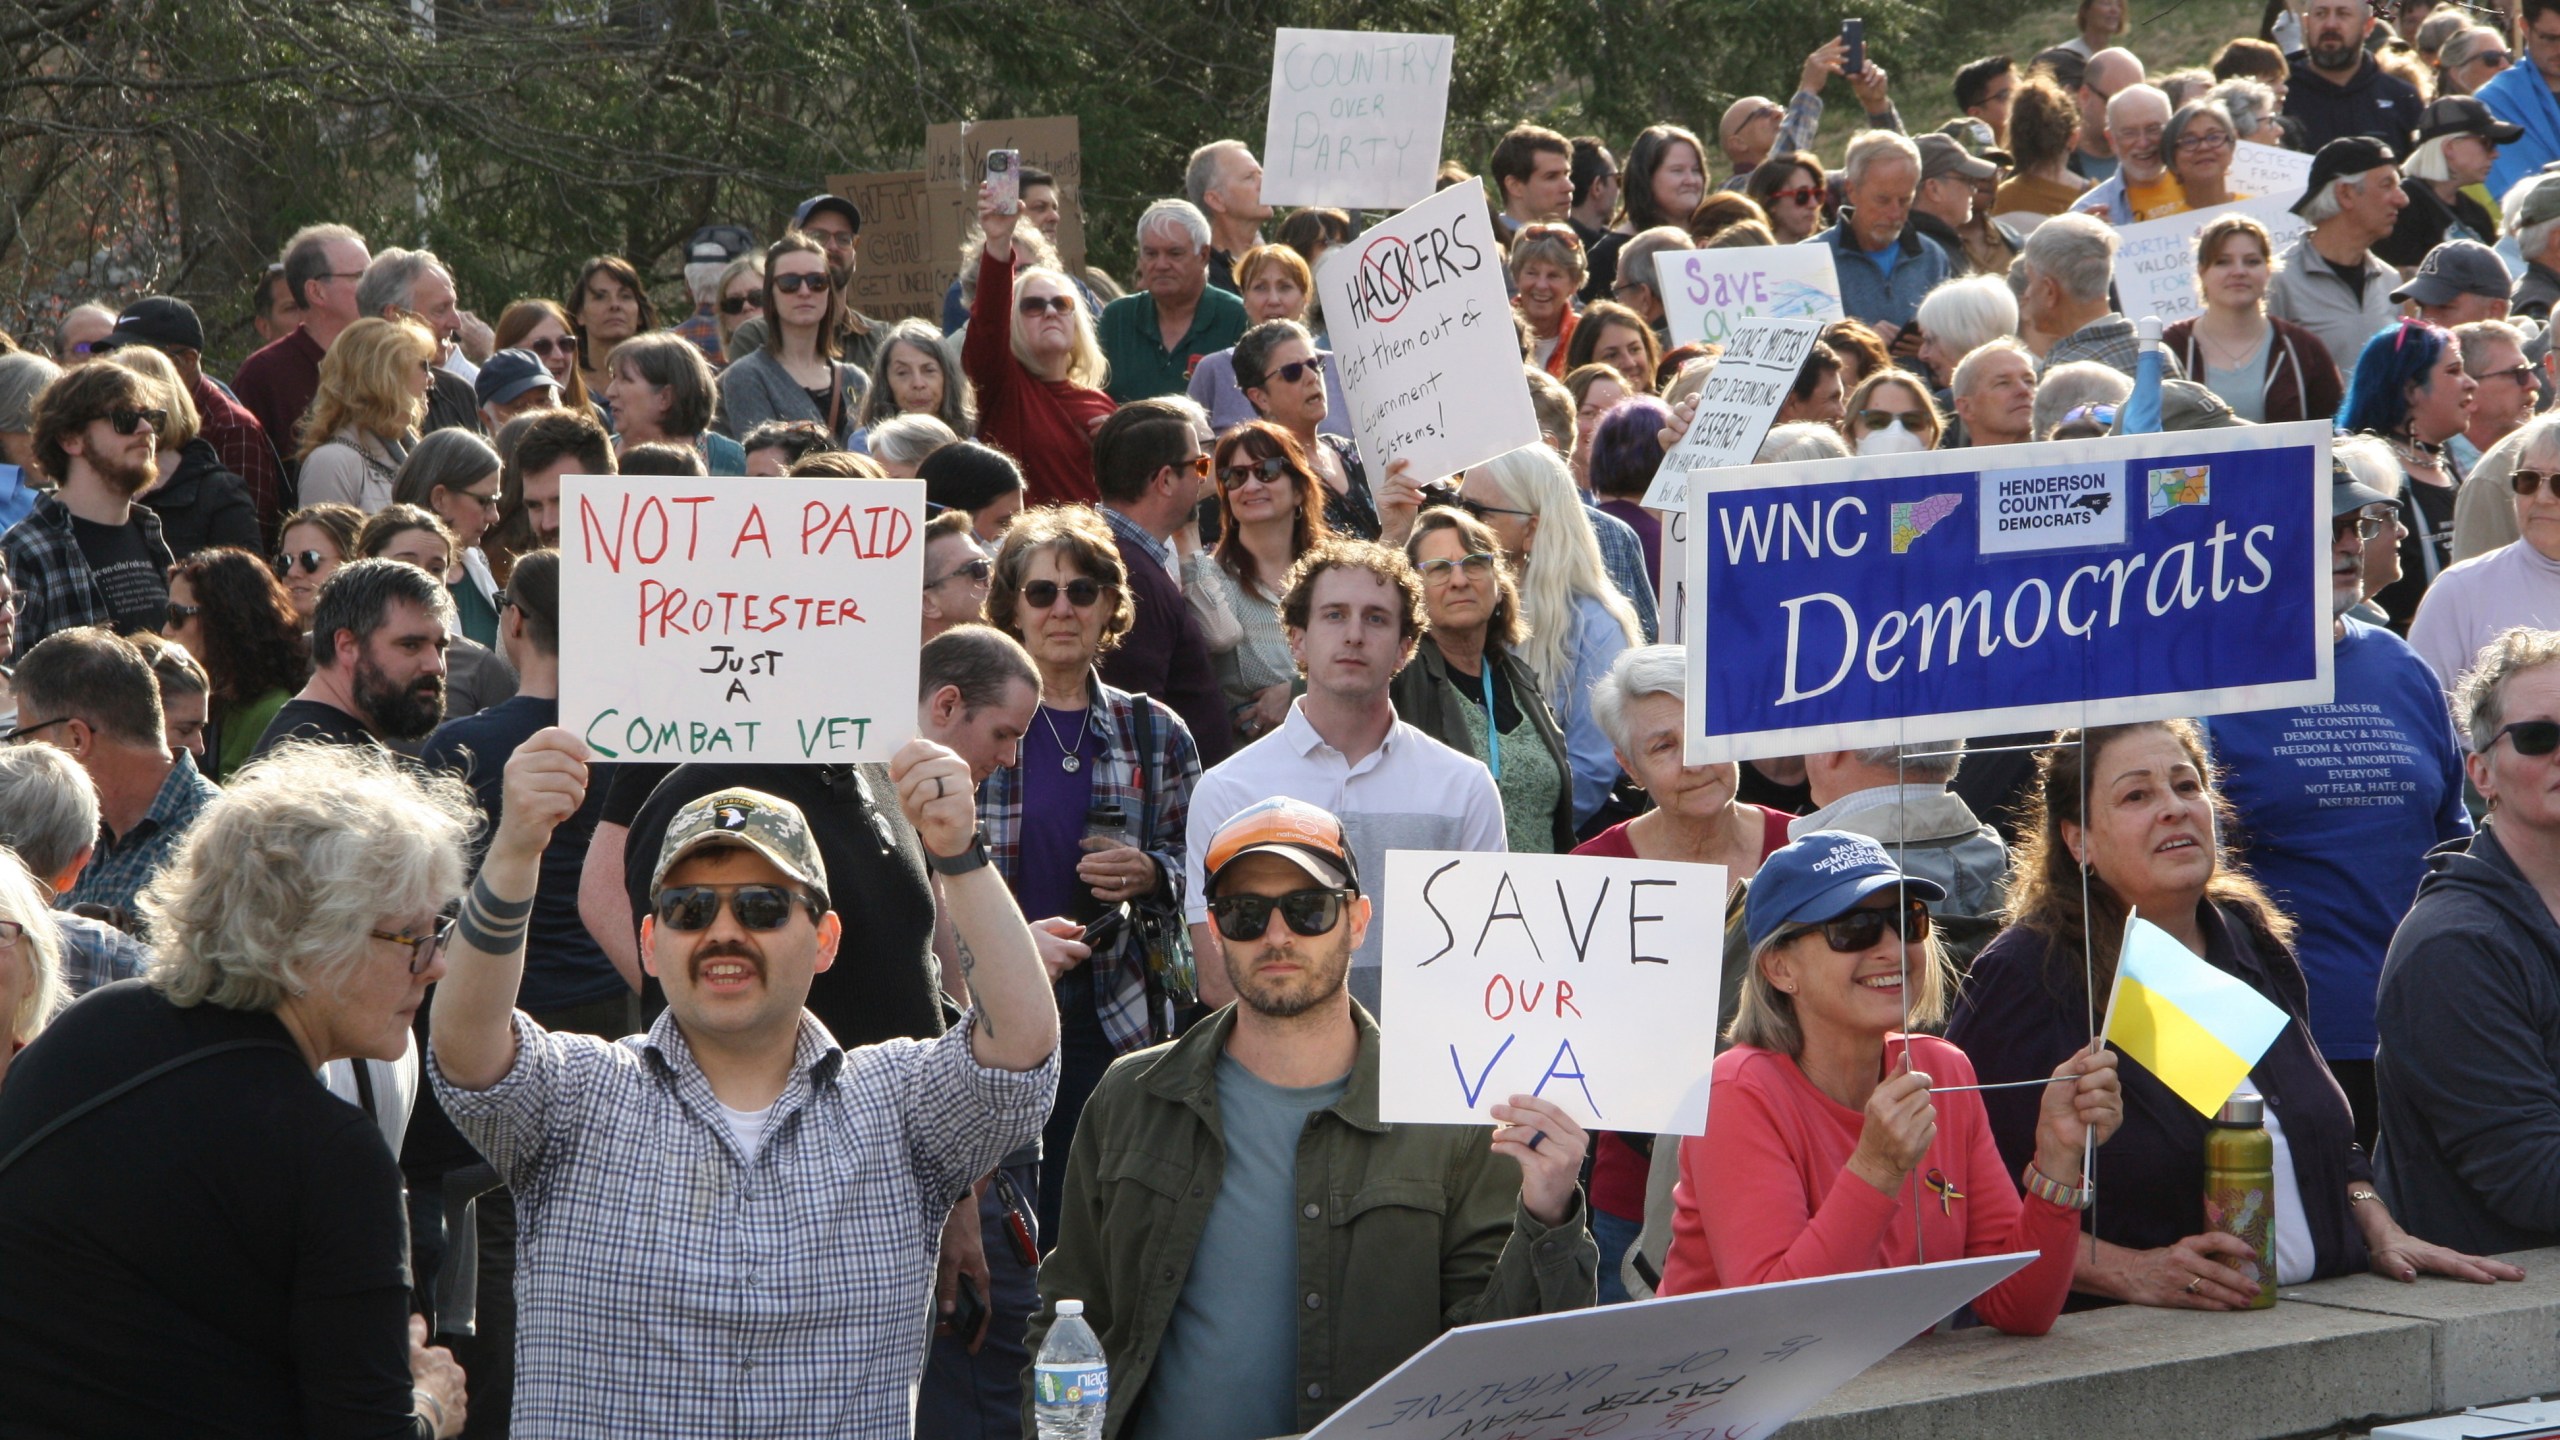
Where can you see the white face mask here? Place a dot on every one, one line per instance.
(1892, 440)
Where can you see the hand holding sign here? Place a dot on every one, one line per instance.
(1549, 1145)
(545, 783)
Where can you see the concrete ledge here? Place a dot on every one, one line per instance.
(2331, 1356)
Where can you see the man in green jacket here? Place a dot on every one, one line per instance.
(1252, 1246)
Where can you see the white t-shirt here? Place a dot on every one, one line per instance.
(746, 1126)
(2295, 1257)
(395, 1090)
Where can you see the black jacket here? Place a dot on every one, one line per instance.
(1427, 699)
(2370, 103)
(2469, 1069)
(201, 505)
(2426, 222)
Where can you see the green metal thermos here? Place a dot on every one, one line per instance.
(2240, 1187)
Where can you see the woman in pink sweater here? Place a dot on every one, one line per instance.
(1824, 1140)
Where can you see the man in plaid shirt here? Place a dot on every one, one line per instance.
(729, 1224)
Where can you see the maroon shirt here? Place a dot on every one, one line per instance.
(277, 384)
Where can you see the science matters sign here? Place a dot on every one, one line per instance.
(1880, 600)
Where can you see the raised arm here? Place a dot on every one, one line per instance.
(475, 1045)
(1017, 1013)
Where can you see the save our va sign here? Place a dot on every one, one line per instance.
(1890, 599)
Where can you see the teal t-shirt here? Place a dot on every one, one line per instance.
(1228, 1368)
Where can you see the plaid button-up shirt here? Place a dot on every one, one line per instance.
(56, 590)
(244, 446)
(124, 863)
(669, 1284)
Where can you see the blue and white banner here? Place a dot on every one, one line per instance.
(1890, 599)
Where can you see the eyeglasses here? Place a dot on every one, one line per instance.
(977, 570)
(19, 735)
(739, 305)
(1081, 593)
(309, 561)
(2525, 482)
(691, 908)
(488, 502)
(505, 602)
(2206, 140)
(560, 346)
(1798, 195)
(1480, 510)
(181, 614)
(423, 949)
(1249, 472)
(1296, 370)
(126, 422)
(1911, 420)
(1046, 305)
(1860, 929)
(1306, 912)
(2365, 523)
(2533, 738)
(1437, 572)
(813, 281)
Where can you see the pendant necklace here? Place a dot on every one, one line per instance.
(1069, 761)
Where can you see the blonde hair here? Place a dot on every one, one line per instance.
(1563, 565)
(1085, 363)
(368, 383)
(1765, 1016)
(184, 423)
(23, 899)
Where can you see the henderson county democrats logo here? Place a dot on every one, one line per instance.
(2052, 507)
(1915, 518)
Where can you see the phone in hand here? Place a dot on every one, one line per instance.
(1853, 36)
(969, 1314)
(1004, 180)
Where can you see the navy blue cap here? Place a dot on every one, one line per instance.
(837, 203)
(1823, 876)
(508, 374)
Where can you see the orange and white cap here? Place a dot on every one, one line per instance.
(1303, 834)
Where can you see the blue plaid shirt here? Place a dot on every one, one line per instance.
(1119, 988)
(124, 863)
(1622, 555)
(95, 953)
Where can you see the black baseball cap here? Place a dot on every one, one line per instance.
(2340, 159)
(2465, 115)
(161, 320)
(815, 203)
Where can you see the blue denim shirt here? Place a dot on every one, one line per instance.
(1866, 292)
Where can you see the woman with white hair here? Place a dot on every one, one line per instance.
(1799, 442)
(2256, 116)
(2267, 370)
(2470, 58)
(1959, 316)
(901, 442)
(2460, 142)
(1578, 622)
(1037, 365)
(31, 980)
(2078, 393)
(917, 372)
(296, 924)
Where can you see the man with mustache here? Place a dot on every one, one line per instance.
(783, 1191)
(86, 554)
(378, 637)
(2337, 89)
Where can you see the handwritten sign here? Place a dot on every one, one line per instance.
(2156, 259)
(955, 160)
(900, 274)
(718, 620)
(1356, 118)
(1671, 587)
(2268, 172)
(1727, 1363)
(1741, 398)
(1707, 294)
(1579, 978)
(1876, 599)
(1421, 328)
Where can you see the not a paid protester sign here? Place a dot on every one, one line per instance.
(1883, 600)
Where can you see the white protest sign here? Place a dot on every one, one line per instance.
(1592, 982)
(729, 619)
(1671, 587)
(2268, 172)
(1421, 331)
(1706, 294)
(1356, 118)
(1726, 1363)
(2156, 259)
(1737, 404)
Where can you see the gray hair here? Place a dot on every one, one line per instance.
(1179, 215)
(2248, 102)
(23, 899)
(2078, 252)
(1969, 312)
(2129, 95)
(907, 439)
(1639, 670)
(48, 807)
(1872, 146)
(2332, 199)
(1960, 384)
(2183, 86)
(288, 871)
(1200, 175)
(2427, 162)
(2531, 240)
(1799, 441)
(2067, 387)
(1923, 762)
(2369, 459)
(452, 459)
(2479, 697)
(1635, 258)
(2462, 45)
(392, 279)
(2477, 336)
(2538, 437)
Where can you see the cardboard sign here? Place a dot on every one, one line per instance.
(1421, 328)
(1356, 118)
(2268, 172)
(1741, 398)
(2156, 259)
(1707, 294)
(1881, 599)
(724, 619)
(955, 160)
(1589, 981)
(898, 274)
(1727, 1363)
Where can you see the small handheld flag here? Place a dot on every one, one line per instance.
(2198, 1029)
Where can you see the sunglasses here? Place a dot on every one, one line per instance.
(2525, 482)
(1480, 510)
(1198, 465)
(1047, 305)
(1911, 420)
(2495, 59)
(690, 908)
(739, 305)
(2103, 415)
(309, 561)
(977, 570)
(1041, 594)
(813, 281)
(1247, 472)
(1437, 572)
(1797, 195)
(562, 346)
(181, 614)
(1296, 370)
(2532, 738)
(126, 422)
(1306, 912)
(2365, 523)
(1860, 929)
(423, 949)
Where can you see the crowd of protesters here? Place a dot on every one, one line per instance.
(498, 1089)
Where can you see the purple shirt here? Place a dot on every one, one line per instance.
(1054, 803)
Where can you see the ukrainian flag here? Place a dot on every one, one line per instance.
(2195, 1027)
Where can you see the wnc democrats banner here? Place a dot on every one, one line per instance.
(1891, 599)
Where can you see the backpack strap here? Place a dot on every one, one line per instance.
(133, 1083)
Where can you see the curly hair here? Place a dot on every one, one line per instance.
(285, 875)
(1343, 552)
(369, 383)
(1083, 540)
(253, 641)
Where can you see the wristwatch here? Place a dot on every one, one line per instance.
(973, 858)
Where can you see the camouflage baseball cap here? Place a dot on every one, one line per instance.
(751, 819)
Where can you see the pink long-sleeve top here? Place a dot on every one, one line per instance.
(1766, 1194)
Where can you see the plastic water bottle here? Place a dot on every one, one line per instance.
(1072, 1379)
